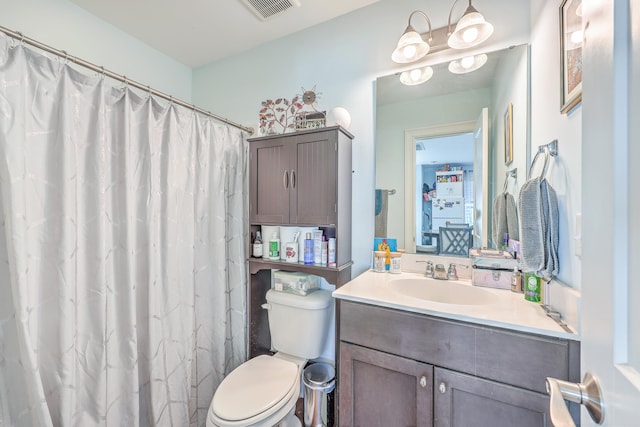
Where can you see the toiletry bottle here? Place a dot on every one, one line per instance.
(317, 247)
(531, 287)
(274, 247)
(516, 280)
(308, 249)
(332, 251)
(325, 252)
(505, 242)
(257, 245)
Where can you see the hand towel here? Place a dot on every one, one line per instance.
(505, 218)
(551, 215)
(381, 213)
(532, 242)
(539, 228)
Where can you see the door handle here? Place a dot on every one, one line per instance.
(587, 393)
(293, 178)
(285, 179)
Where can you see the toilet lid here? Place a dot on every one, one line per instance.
(254, 387)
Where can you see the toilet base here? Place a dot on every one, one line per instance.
(290, 421)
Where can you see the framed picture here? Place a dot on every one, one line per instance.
(508, 135)
(570, 54)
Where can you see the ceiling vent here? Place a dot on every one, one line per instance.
(265, 9)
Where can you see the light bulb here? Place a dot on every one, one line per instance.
(467, 62)
(409, 51)
(469, 35)
(415, 75)
(576, 37)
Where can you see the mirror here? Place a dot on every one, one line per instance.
(493, 102)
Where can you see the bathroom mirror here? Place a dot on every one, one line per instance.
(409, 121)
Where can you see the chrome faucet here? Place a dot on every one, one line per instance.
(439, 272)
(429, 270)
(452, 274)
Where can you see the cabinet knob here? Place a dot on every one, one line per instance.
(423, 381)
(442, 388)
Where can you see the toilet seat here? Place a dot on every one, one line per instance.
(256, 390)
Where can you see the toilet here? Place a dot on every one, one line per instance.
(264, 390)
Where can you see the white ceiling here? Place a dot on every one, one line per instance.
(198, 32)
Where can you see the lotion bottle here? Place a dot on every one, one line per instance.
(308, 249)
(274, 247)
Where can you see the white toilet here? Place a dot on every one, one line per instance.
(264, 390)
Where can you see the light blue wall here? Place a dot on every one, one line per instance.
(64, 26)
(342, 58)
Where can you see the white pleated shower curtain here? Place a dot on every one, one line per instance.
(122, 277)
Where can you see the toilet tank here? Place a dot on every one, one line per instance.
(299, 324)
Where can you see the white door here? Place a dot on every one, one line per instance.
(610, 314)
(481, 180)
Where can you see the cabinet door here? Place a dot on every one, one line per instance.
(462, 400)
(270, 180)
(380, 389)
(314, 183)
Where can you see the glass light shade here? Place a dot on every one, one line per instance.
(411, 47)
(471, 30)
(467, 64)
(416, 76)
(338, 116)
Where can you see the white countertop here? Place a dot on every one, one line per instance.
(510, 310)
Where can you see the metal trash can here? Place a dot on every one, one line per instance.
(319, 380)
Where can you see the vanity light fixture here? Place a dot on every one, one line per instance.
(416, 76)
(470, 30)
(467, 64)
(411, 46)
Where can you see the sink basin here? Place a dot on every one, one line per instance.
(442, 291)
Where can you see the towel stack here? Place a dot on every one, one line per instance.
(538, 206)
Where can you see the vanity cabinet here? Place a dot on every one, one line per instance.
(298, 179)
(476, 375)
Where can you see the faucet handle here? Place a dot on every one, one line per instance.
(429, 269)
(452, 274)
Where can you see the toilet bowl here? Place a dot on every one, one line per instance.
(263, 391)
(260, 392)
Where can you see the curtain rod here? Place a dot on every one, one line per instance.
(61, 53)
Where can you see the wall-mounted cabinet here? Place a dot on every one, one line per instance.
(298, 179)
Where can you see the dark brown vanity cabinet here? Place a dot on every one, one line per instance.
(430, 371)
(298, 179)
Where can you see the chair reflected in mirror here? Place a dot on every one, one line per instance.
(455, 240)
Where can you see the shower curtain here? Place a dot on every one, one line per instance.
(122, 278)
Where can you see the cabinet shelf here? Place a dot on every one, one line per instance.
(335, 275)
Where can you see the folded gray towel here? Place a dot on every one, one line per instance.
(499, 221)
(539, 232)
(505, 218)
(531, 226)
(551, 215)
